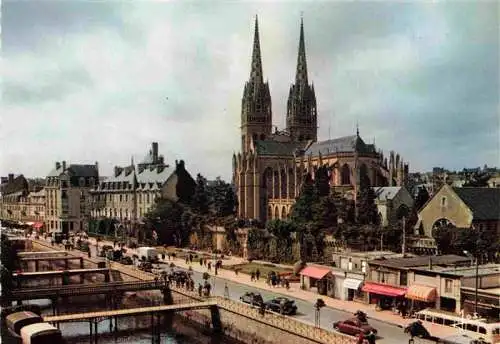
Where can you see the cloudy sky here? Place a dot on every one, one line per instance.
(86, 80)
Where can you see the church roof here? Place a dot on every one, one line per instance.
(346, 144)
(275, 148)
(484, 202)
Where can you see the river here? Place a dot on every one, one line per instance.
(183, 332)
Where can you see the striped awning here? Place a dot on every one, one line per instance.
(421, 293)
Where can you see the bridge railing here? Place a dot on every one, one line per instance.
(283, 322)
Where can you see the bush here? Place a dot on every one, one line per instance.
(269, 265)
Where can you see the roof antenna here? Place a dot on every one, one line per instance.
(357, 128)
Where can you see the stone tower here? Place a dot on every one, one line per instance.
(301, 116)
(256, 116)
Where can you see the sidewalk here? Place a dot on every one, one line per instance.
(297, 293)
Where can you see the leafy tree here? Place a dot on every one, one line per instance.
(367, 209)
(200, 200)
(257, 244)
(222, 198)
(302, 209)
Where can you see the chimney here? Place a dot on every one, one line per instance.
(11, 177)
(161, 160)
(58, 165)
(97, 166)
(64, 165)
(154, 147)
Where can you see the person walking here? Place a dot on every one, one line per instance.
(257, 274)
(200, 290)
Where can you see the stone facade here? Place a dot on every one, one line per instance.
(463, 208)
(67, 193)
(269, 170)
(132, 190)
(18, 203)
(393, 202)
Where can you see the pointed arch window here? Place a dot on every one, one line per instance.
(345, 175)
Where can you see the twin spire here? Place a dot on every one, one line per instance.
(256, 74)
(256, 70)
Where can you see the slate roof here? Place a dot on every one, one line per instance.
(18, 184)
(386, 192)
(447, 259)
(346, 144)
(484, 202)
(152, 176)
(275, 148)
(77, 171)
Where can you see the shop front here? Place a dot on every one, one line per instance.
(385, 296)
(352, 289)
(421, 297)
(317, 277)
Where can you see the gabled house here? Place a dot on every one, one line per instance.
(465, 207)
(392, 202)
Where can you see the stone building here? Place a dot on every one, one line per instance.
(465, 207)
(269, 170)
(67, 192)
(13, 191)
(132, 190)
(393, 202)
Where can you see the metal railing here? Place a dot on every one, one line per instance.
(74, 290)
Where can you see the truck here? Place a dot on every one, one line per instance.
(149, 253)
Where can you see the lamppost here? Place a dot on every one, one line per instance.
(468, 254)
(317, 314)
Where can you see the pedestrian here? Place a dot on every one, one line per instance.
(252, 276)
(371, 338)
(216, 269)
(187, 260)
(209, 266)
(89, 253)
(287, 284)
(361, 338)
(201, 261)
(163, 256)
(200, 289)
(190, 258)
(236, 271)
(257, 274)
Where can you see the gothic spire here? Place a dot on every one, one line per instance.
(301, 75)
(256, 69)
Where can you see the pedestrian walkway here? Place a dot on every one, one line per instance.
(295, 292)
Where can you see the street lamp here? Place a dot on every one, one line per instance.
(468, 254)
(317, 306)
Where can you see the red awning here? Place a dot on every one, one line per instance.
(383, 289)
(314, 272)
(38, 225)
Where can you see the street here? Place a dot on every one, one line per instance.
(389, 334)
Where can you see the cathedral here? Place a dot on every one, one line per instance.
(269, 171)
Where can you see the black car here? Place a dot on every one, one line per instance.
(282, 305)
(255, 299)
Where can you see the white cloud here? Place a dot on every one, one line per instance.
(99, 92)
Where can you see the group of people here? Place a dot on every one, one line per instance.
(273, 279)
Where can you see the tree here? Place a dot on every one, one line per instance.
(222, 198)
(302, 209)
(367, 209)
(444, 238)
(200, 200)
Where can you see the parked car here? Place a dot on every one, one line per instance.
(254, 299)
(353, 327)
(126, 260)
(282, 305)
(146, 266)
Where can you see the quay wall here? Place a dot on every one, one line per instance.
(240, 321)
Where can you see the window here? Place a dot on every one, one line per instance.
(443, 201)
(81, 182)
(448, 285)
(403, 278)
